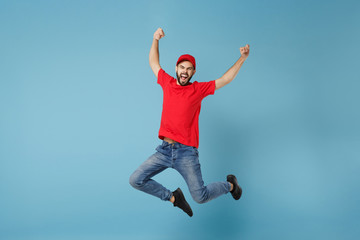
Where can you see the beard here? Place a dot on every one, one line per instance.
(182, 84)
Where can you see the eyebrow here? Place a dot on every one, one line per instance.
(184, 66)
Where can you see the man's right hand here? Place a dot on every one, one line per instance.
(159, 34)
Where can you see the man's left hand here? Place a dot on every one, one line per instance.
(245, 51)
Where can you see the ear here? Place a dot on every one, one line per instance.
(176, 68)
(194, 72)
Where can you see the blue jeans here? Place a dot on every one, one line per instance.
(185, 160)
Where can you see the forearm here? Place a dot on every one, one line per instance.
(154, 57)
(154, 53)
(233, 71)
(230, 74)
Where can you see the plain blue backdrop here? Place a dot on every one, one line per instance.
(80, 110)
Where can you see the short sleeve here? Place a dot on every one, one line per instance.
(163, 77)
(206, 88)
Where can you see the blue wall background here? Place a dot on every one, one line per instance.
(80, 110)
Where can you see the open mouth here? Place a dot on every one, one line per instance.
(183, 77)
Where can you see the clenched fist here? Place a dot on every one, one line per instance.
(245, 51)
(159, 34)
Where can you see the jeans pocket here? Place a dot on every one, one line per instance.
(163, 150)
(196, 151)
(158, 148)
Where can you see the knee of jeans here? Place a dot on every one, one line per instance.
(135, 181)
(200, 197)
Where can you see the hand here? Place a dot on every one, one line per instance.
(159, 34)
(245, 51)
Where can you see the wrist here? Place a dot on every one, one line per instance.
(242, 57)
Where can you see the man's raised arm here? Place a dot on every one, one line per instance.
(233, 71)
(154, 52)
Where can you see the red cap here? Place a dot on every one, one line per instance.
(186, 57)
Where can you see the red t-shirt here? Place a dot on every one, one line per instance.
(181, 109)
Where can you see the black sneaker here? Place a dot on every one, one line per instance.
(237, 191)
(181, 203)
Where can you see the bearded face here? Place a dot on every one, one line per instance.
(184, 72)
(183, 79)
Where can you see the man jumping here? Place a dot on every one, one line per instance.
(179, 131)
